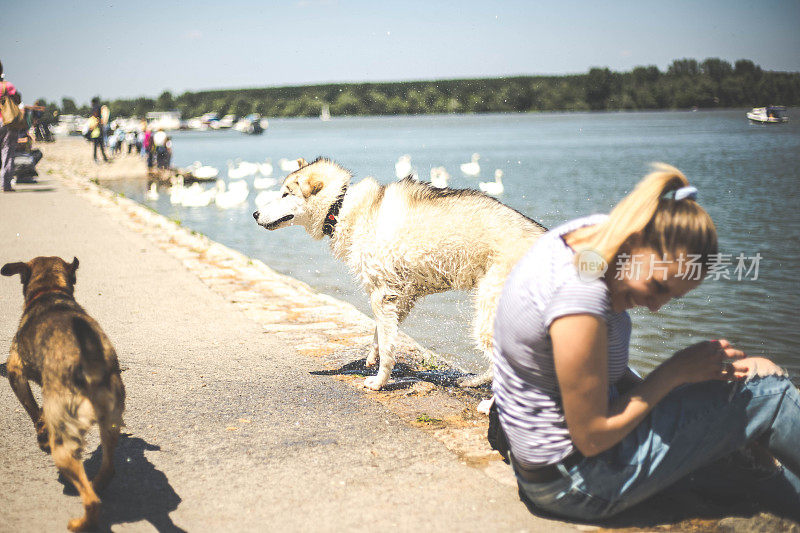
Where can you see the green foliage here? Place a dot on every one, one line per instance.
(687, 83)
(68, 106)
(425, 419)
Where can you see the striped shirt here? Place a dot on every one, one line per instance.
(544, 286)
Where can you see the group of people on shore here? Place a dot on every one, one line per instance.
(155, 146)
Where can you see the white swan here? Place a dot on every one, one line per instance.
(203, 172)
(265, 197)
(196, 196)
(472, 168)
(403, 167)
(265, 168)
(439, 177)
(250, 168)
(236, 194)
(242, 170)
(288, 165)
(234, 172)
(176, 191)
(495, 188)
(264, 183)
(152, 192)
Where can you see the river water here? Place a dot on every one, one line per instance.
(557, 166)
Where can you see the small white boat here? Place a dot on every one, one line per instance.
(325, 114)
(774, 114)
(251, 124)
(226, 122)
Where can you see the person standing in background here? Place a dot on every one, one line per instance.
(8, 136)
(41, 128)
(96, 130)
(160, 144)
(149, 148)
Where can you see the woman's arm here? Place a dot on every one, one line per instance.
(581, 363)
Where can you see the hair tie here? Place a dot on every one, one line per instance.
(681, 194)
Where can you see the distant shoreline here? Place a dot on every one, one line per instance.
(710, 84)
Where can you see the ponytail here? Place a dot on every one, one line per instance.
(668, 226)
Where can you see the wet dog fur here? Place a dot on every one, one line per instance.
(405, 240)
(62, 349)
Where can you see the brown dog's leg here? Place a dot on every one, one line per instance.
(72, 469)
(20, 386)
(109, 435)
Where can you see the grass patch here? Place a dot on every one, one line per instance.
(425, 419)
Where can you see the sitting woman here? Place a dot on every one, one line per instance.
(589, 438)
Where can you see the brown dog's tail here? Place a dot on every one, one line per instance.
(92, 369)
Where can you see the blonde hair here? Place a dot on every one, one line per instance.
(668, 226)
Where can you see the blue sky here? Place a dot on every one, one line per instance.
(132, 48)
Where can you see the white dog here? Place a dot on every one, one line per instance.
(406, 240)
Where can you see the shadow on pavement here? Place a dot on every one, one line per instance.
(138, 490)
(403, 375)
(19, 190)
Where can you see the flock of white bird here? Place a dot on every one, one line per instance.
(440, 177)
(225, 195)
(236, 191)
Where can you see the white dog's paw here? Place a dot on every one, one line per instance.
(475, 381)
(485, 406)
(374, 383)
(372, 356)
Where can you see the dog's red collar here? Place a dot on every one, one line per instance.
(330, 219)
(41, 292)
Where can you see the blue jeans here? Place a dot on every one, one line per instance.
(8, 141)
(690, 428)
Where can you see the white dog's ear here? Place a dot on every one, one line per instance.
(301, 162)
(309, 185)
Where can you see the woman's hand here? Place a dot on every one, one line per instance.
(705, 361)
(756, 366)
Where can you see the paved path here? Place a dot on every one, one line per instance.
(229, 430)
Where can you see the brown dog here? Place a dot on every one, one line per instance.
(60, 347)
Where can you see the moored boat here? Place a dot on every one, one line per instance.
(774, 114)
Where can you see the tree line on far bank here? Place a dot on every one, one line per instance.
(687, 83)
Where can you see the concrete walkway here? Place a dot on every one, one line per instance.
(229, 430)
